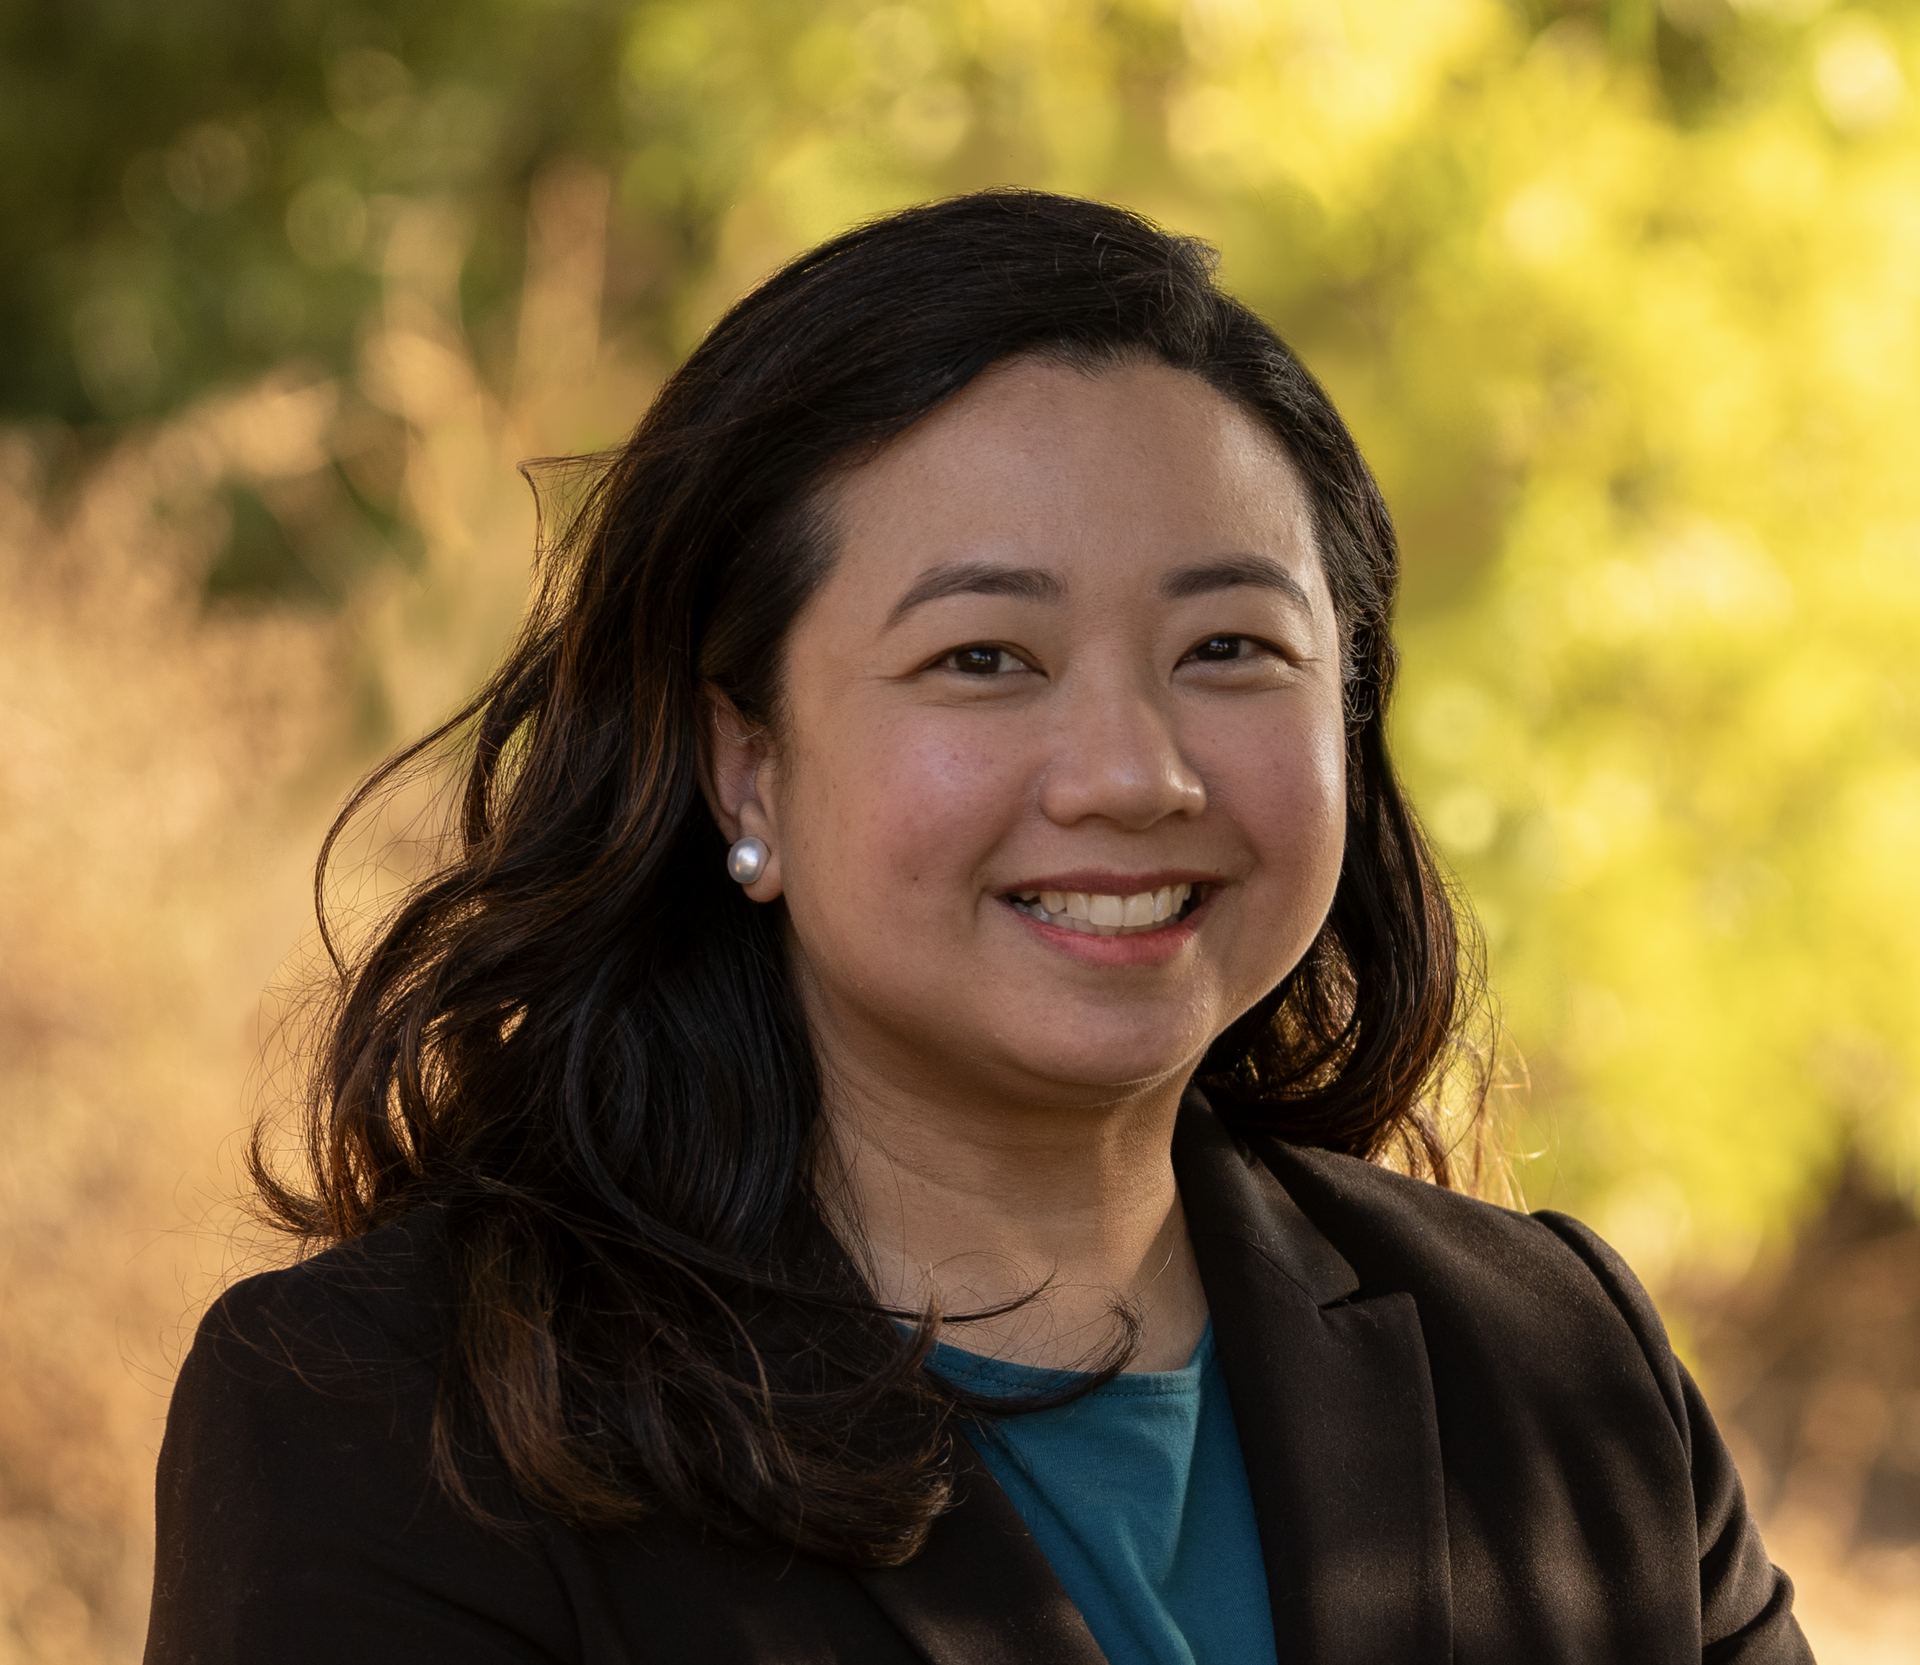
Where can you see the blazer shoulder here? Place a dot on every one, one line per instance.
(298, 1516)
(1533, 1281)
(363, 1312)
(1424, 1220)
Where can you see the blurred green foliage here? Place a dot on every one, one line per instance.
(1621, 298)
(195, 192)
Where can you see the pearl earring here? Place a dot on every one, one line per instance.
(746, 861)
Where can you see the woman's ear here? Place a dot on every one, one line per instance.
(738, 777)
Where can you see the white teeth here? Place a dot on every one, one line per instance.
(1106, 915)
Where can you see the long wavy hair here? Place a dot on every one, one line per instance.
(581, 1044)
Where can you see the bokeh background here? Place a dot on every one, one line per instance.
(1622, 298)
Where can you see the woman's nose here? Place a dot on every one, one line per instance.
(1116, 758)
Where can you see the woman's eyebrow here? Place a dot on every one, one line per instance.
(1235, 570)
(976, 578)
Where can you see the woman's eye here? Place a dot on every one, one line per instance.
(1216, 649)
(981, 660)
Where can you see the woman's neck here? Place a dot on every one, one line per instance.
(980, 1205)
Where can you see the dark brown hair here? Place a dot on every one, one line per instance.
(580, 1043)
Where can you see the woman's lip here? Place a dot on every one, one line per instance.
(1114, 884)
(1135, 948)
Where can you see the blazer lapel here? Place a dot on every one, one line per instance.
(1334, 1408)
(982, 1592)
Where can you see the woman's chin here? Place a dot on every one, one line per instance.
(1094, 1073)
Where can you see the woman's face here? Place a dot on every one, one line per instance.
(1059, 789)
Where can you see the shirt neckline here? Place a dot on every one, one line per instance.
(1001, 1378)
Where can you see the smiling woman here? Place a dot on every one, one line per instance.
(880, 1143)
(1076, 656)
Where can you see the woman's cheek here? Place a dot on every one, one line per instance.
(1286, 787)
(1320, 821)
(933, 805)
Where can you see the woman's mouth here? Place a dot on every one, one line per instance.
(1102, 915)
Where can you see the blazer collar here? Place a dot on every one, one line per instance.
(1333, 1404)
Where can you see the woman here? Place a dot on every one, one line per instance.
(873, 1148)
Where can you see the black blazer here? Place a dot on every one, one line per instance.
(1466, 1435)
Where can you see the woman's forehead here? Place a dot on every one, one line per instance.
(1036, 457)
(1040, 408)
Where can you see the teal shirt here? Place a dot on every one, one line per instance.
(1138, 1495)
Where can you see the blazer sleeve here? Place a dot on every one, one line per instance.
(1746, 1602)
(297, 1522)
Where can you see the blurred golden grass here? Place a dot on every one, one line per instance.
(149, 881)
(169, 769)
